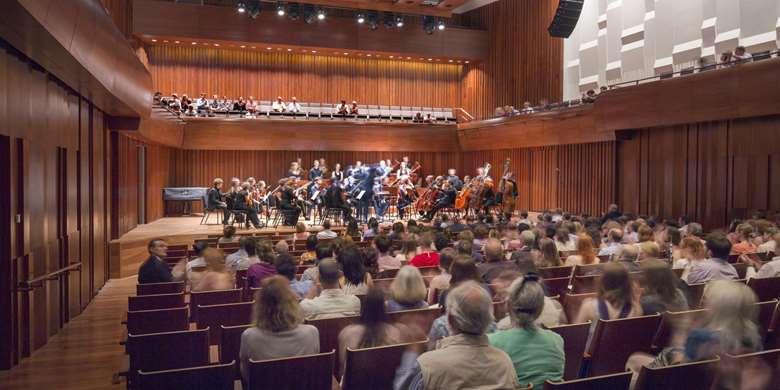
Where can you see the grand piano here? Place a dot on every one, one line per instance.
(186, 195)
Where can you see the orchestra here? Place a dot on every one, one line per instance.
(387, 189)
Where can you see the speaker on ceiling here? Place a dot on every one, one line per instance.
(566, 18)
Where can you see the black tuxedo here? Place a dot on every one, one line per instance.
(214, 202)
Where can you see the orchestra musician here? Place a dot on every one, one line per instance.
(405, 195)
(508, 194)
(323, 167)
(429, 180)
(295, 170)
(235, 186)
(214, 199)
(379, 200)
(337, 174)
(287, 203)
(242, 201)
(334, 198)
(315, 172)
(445, 199)
(454, 179)
(488, 195)
(403, 169)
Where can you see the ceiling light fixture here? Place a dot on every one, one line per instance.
(154, 40)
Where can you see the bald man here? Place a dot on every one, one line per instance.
(495, 261)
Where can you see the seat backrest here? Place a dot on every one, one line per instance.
(429, 271)
(373, 368)
(620, 381)
(575, 338)
(676, 323)
(499, 309)
(215, 376)
(556, 286)
(694, 292)
(766, 311)
(615, 340)
(572, 302)
(216, 297)
(155, 301)
(766, 289)
(387, 274)
(228, 314)
(230, 344)
(587, 269)
(159, 288)
(329, 329)
(766, 362)
(310, 372)
(168, 350)
(696, 375)
(556, 272)
(158, 320)
(421, 317)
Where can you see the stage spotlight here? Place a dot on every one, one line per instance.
(308, 14)
(373, 20)
(361, 18)
(389, 20)
(241, 7)
(254, 9)
(320, 14)
(441, 26)
(429, 24)
(399, 21)
(293, 11)
(280, 9)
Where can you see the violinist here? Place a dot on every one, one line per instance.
(337, 175)
(403, 169)
(287, 203)
(315, 172)
(454, 179)
(243, 201)
(235, 186)
(429, 181)
(488, 195)
(214, 200)
(379, 200)
(295, 169)
(405, 195)
(263, 201)
(444, 199)
(323, 167)
(334, 199)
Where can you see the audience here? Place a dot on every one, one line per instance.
(155, 269)
(407, 290)
(615, 298)
(659, 289)
(627, 256)
(564, 241)
(264, 268)
(327, 299)
(356, 280)
(278, 329)
(310, 255)
(692, 252)
(326, 233)
(462, 360)
(228, 235)
(323, 250)
(426, 256)
(614, 238)
(585, 253)
(548, 252)
(214, 276)
(285, 266)
(441, 281)
(495, 261)
(300, 232)
(385, 260)
(537, 354)
(717, 266)
(743, 241)
(245, 256)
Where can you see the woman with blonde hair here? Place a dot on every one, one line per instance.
(549, 254)
(648, 250)
(585, 253)
(744, 242)
(644, 234)
(691, 253)
(407, 290)
(278, 329)
(300, 232)
(215, 276)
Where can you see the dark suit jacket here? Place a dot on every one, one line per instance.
(154, 270)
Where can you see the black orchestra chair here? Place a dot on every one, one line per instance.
(207, 210)
(335, 215)
(280, 216)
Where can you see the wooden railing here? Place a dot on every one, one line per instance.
(36, 282)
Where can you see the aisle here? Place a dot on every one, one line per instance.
(85, 354)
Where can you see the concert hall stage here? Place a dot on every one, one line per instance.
(129, 251)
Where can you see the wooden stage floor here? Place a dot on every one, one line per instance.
(85, 354)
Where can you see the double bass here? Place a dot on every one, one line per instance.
(507, 189)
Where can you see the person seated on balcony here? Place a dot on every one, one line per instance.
(294, 107)
(726, 58)
(225, 104)
(589, 97)
(741, 55)
(499, 112)
(214, 104)
(429, 119)
(174, 103)
(202, 105)
(418, 118)
(251, 106)
(239, 105)
(527, 109)
(354, 109)
(342, 108)
(544, 104)
(156, 99)
(278, 105)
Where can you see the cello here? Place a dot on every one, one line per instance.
(463, 199)
(426, 201)
(475, 198)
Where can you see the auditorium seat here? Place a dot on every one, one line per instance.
(216, 297)
(671, 322)
(582, 284)
(556, 272)
(210, 377)
(615, 340)
(556, 286)
(767, 362)
(385, 113)
(387, 274)
(766, 289)
(155, 301)
(230, 344)
(423, 318)
(264, 107)
(229, 314)
(621, 381)
(575, 339)
(159, 288)
(741, 269)
(766, 311)
(572, 302)
(588, 269)
(694, 293)
(373, 368)
(696, 375)
(406, 113)
(373, 112)
(159, 320)
(167, 350)
(499, 309)
(329, 330)
(310, 372)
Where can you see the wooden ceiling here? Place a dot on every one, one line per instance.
(441, 8)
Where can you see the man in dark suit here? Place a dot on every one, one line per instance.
(214, 199)
(334, 199)
(155, 269)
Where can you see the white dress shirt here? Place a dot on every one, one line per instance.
(294, 107)
(278, 106)
(331, 303)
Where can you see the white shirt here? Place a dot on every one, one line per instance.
(294, 107)
(331, 303)
(326, 235)
(769, 246)
(278, 106)
(610, 249)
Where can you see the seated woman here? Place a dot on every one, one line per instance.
(549, 256)
(585, 254)
(185, 269)
(407, 290)
(356, 280)
(243, 258)
(279, 330)
(615, 298)
(730, 328)
(744, 243)
(215, 276)
(228, 235)
(660, 292)
(264, 268)
(300, 232)
(310, 255)
(536, 353)
(564, 241)
(374, 328)
(692, 252)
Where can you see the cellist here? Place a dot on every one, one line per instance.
(405, 195)
(508, 190)
(445, 198)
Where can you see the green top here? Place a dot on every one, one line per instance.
(536, 353)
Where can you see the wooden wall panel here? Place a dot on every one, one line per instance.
(711, 171)
(310, 78)
(524, 63)
(121, 12)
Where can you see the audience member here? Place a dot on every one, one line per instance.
(717, 266)
(495, 261)
(264, 268)
(356, 280)
(563, 240)
(407, 291)
(691, 253)
(278, 329)
(741, 54)
(426, 257)
(326, 233)
(441, 281)
(660, 292)
(744, 237)
(294, 107)
(278, 105)
(615, 298)
(330, 301)
(323, 251)
(385, 260)
(214, 275)
(462, 360)
(245, 256)
(155, 269)
(757, 269)
(527, 108)
(310, 255)
(537, 353)
(285, 266)
(228, 235)
(300, 232)
(614, 238)
(342, 108)
(585, 253)
(627, 256)
(282, 248)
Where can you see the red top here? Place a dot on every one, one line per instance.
(426, 259)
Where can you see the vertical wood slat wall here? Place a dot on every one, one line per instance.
(121, 12)
(310, 78)
(524, 63)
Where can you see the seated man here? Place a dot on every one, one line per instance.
(741, 54)
(278, 105)
(294, 107)
(154, 269)
(717, 266)
(214, 199)
(463, 360)
(332, 301)
(342, 108)
(202, 105)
